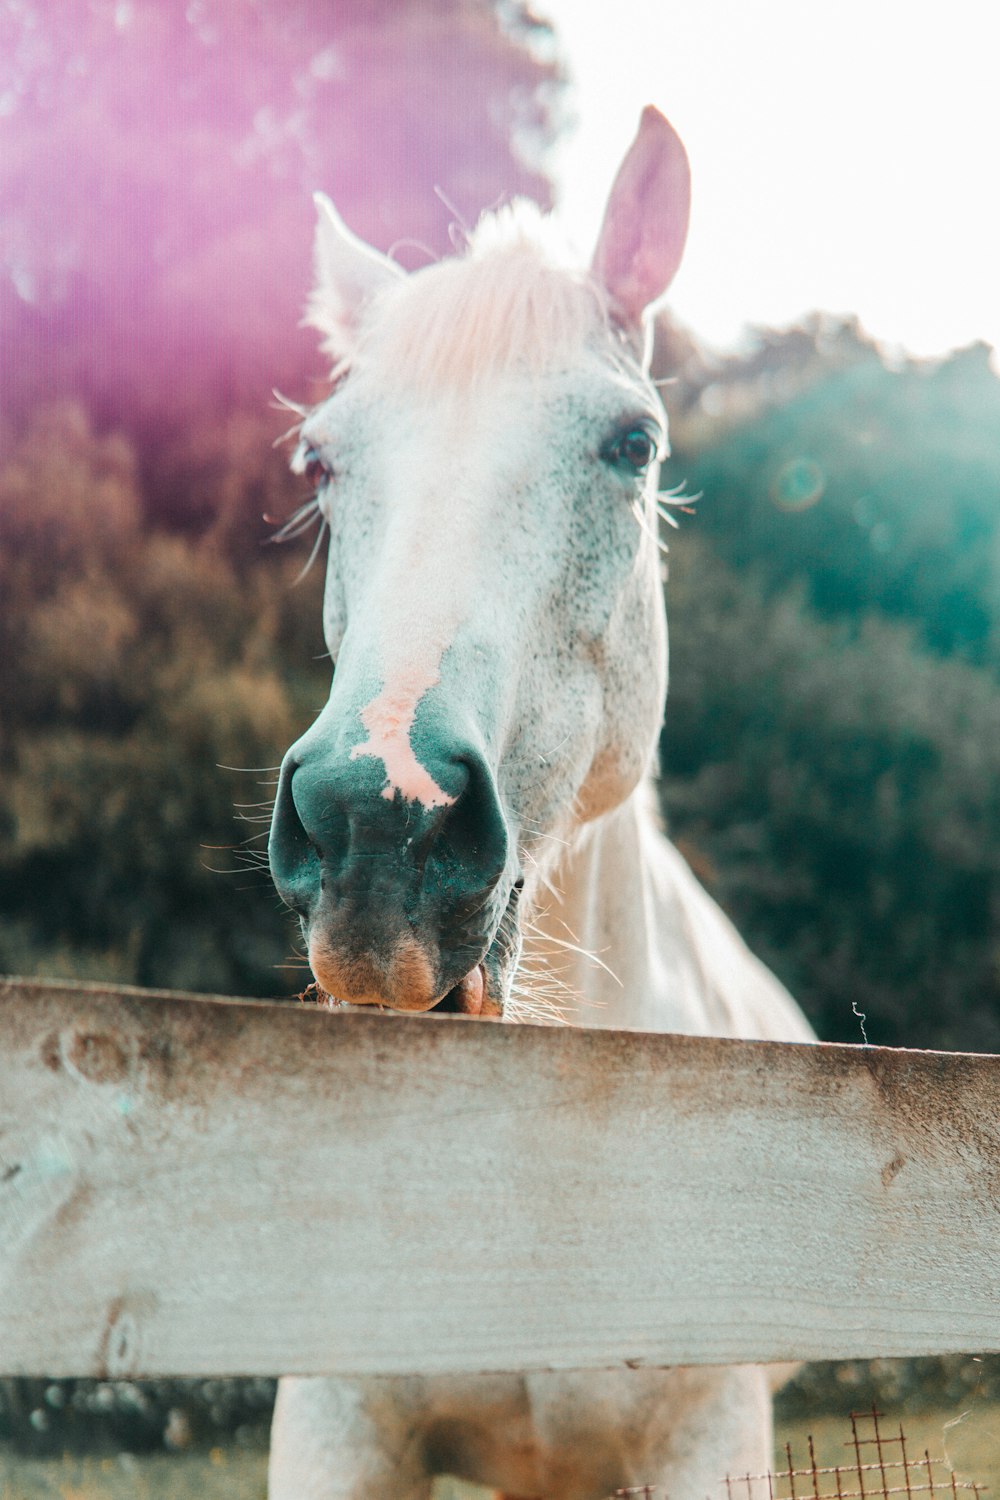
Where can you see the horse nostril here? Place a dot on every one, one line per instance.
(474, 828)
(293, 855)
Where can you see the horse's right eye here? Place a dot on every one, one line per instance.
(314, 469)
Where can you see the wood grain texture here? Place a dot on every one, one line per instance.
(200, 1186)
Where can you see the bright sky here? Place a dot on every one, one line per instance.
(845, 154)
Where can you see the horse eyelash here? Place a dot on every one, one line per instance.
(675, 499)
(300, 521)
(298, 524)
(318, 542)
(644, 526)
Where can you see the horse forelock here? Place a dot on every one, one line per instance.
(510, 302)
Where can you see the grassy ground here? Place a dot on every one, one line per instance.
(968, 1439)
(221, 1474)
(970, 1443)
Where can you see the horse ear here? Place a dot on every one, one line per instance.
(348, 274)
(645, 223)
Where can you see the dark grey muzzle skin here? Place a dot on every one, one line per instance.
(366, 872)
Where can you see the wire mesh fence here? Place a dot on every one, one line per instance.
(876, 1466)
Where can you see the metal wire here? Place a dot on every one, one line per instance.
(866, 1477)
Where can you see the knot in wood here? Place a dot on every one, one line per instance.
(96, 1056)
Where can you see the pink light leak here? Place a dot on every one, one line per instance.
(157, 165)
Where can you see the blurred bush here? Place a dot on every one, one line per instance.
(952, 1380)
(52, 1417)
(838, 787)
(136, 665)
(874, 485)
(832, 739)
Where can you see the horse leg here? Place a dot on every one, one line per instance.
(681, 1430)
(335, 1439)
(727, 1431)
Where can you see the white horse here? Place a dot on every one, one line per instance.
(487, 465)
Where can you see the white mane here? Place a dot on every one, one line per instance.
(512, 300)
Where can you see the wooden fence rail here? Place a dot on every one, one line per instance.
(199, 1186)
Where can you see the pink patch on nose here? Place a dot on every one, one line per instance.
(388, 720)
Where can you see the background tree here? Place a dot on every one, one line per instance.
(135, 667)
(832, 728)
(877, 487)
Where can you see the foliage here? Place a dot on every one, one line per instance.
(842, 786)
(878, 488)
(61, 1417)
(135, 664)
(832, 747)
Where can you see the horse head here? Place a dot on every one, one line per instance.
(487, 466)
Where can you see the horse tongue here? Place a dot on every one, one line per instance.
(470, 992)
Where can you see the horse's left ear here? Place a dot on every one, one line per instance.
(645, 223)
(348, 274)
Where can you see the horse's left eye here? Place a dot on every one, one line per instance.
(633, 449)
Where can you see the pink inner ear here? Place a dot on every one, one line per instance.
(645, 223)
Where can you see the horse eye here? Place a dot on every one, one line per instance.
(314, 469)
(633, 449)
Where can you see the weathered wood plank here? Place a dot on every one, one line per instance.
(197, 1186)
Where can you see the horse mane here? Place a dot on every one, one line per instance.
(510, 301)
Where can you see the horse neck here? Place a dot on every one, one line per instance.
(598, 935)
(630, 939)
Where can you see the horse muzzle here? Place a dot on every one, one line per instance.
(401, 905)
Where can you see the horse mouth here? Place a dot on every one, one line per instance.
(485, 990)
(482, 992)
(471, 997)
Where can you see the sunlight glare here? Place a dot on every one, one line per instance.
(844, 156)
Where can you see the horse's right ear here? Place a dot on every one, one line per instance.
(348, 274)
